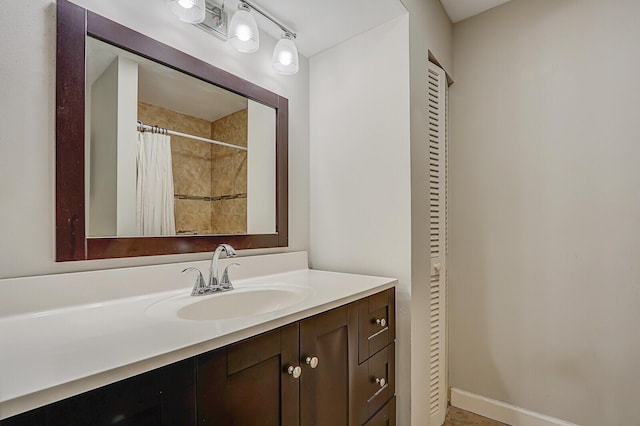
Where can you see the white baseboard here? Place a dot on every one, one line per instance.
(500, 411)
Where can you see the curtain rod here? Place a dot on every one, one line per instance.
(146, 127)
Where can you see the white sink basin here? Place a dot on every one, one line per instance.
(243, 301)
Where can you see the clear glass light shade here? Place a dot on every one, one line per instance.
(243, 31)
(191, 11)
(285, 56)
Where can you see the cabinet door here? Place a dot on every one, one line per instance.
(37, 417)
(326, 397)
(165, 396)
(248, 383)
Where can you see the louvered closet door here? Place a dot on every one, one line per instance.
(437, 85)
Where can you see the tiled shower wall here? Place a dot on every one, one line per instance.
(201, 169)
(229, 174)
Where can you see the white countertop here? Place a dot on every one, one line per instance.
(52, 354)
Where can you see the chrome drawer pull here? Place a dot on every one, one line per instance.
(312, 361)
(381, 322)
(296, 372)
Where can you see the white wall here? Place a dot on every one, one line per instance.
(360, 180)
(27, 119)
(261, 171)
(113, 106)
(103, 174)
(127, 149)
(545, 208)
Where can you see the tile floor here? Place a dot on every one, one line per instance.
(458, 417)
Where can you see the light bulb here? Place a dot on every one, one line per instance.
(285, 55)
(243, 30)
(191, 11)
(285, 58)
(187, 4)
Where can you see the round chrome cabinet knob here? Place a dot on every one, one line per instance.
(312, 361)
(296, 372)
(381, 322)
(381, 382)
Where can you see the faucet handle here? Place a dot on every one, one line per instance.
(226, 281)
(199, 287)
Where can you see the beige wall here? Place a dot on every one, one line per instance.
(229, 174)
(545, 208)
(27, 117)
(431, 30)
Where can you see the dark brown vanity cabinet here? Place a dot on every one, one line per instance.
(376, 323)
(296, 375)
(328, 341)
(386, 416)
(375, 374)
(165, 396)
(332, 369)
(249, 383)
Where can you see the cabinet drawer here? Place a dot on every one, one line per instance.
(376, 323)
(386, 416)
(375, 383)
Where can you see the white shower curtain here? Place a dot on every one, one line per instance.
(154, 185)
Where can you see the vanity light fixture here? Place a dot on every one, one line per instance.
(285, 55)
(191, 11)
(243, 30)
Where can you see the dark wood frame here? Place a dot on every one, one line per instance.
(73, 25)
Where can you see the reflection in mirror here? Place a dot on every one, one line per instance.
(169, 154)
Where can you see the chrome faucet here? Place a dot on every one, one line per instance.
(215, 282)
(214, 277)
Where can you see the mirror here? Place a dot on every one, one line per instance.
(218, 174)
(159, 152)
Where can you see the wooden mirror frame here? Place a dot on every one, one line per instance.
(74, 24)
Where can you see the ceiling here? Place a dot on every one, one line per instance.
(321, 24)
(459, 10)
(160, 85)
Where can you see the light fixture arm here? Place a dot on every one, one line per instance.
(217, 13)
(270, 18)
